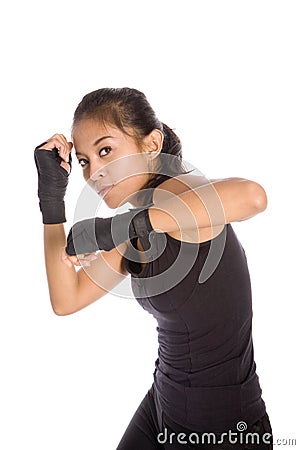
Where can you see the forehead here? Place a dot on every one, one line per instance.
(89, 129)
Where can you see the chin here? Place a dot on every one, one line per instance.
(116, 198)
(114, 203)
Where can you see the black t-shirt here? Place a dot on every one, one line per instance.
(205, 374)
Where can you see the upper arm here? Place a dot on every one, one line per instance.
(99, 278)
(241, 198)
(220, 200)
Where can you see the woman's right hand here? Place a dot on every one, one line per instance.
(64, 148)
(53, 162)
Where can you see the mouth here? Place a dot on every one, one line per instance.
(104, 190)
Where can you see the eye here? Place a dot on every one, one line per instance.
(83, 162)
(106, 149)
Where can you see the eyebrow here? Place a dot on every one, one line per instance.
(96, 142)
(101, 139)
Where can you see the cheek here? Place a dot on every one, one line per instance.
(131, 168)
(86, 175)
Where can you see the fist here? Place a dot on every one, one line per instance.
(64, 148)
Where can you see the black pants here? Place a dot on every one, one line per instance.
(147, 430)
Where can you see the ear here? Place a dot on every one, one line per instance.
(153, 143)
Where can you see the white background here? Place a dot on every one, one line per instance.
(226, 75)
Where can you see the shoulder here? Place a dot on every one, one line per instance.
(184, 182)
(179, 184)
(176, 186)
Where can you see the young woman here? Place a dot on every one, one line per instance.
(187, 269)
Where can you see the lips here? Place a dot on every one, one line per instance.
(105, 189)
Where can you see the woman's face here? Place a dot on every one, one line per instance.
(112, 162)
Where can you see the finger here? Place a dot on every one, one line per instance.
(63, 153)
(74, 261)
(60, 142)
(65, 150)
(65, 166)
(77, 263)
(69, 260)
(53, 143)
(85, 263)
(66, 261)
(60, 136)
(88, 257)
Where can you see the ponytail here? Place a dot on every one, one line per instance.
(172, 144)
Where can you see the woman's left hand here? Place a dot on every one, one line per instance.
(90, 235)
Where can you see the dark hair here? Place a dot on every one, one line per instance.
(129, 108)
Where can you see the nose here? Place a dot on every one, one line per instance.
(96, 171)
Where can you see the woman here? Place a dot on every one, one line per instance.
(187, 269)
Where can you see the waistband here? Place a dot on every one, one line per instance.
(216, 409)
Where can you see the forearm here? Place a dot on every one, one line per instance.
(210, 205)
(203, 207)
(62, 280)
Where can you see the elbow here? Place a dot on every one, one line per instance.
(58, 311)
(59, 308)
(258, 197)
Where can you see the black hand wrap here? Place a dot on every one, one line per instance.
(52, 184)
(90, 235)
